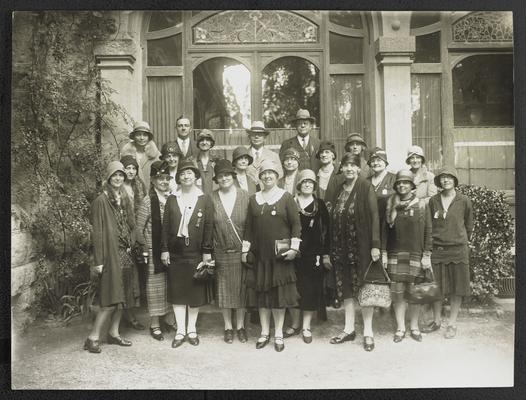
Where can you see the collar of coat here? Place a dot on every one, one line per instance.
(150, 149)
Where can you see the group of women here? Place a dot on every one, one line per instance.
(297, 243)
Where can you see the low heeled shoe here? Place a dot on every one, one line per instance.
(368, 343)
(119, 341)
(93, 346)
(343, 337)
(194, 341)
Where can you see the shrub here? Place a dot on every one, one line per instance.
(490, 245)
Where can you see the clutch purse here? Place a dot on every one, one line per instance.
(281, 246)
(375, 293)
(425, 292)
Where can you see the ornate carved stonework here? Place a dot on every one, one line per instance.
(259, 26)
(484, 26)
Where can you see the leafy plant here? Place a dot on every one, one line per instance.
(490, 245)
(61, 109)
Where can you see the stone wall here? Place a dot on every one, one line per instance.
(23, 262)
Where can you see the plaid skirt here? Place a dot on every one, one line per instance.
(403, 268)
(156, 291)
(130, 279)
(229, 280)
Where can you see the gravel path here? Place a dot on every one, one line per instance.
(48, 356)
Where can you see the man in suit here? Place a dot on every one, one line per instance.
(257, 135)
(185, 140)
(306, 145)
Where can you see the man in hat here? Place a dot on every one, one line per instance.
(306, 145)
(185, 141)
(142, 147)
(257, 135)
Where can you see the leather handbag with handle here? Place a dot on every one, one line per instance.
(375, 293)
(425, 292)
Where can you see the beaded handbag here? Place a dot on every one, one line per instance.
(375, 293)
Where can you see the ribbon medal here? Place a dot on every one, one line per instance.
(273, 212)
(199, 218)
(311, 224)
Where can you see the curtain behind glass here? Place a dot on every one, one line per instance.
(347, 99)
(426, 117)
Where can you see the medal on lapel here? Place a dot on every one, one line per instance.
(311, 223)
(199, 218)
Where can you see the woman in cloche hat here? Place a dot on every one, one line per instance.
(406, 249)
(452, 216)
(149, 233)
(112, 218)
(241, 160)
(142, 147)
(272, 217)
(314, 254)
(186, 242)
(230, 213)
(424, 179)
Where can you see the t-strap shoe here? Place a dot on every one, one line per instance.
(398, 336)
(262, 341)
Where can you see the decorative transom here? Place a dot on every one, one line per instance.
(484, 26)
(259, 26)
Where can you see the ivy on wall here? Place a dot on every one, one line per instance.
(61, 107)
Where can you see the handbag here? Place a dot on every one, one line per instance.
(204, 271)
(375, 293)
(281, 246)
(425, 292)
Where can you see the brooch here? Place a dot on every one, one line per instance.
(199, 218)
(273, 212)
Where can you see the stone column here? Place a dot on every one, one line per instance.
(119, 63)
(394, 53)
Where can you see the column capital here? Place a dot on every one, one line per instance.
(115, 61)
(395, 50)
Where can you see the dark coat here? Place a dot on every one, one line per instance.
(192, 147)
(367, 226)
(200, 228)
(383, 191)
(105, 239)
(308, 158)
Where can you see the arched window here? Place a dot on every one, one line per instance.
(288, 84)
(222, 94)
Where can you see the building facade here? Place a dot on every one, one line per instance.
(442, 80)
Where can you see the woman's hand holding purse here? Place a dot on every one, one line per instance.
(289, 255)
(426, 261)
(375, 254)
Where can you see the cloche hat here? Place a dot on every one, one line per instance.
(304, 175)
(141, 126)
(404, 175)
(415, 151)
(113, 167)
(447, 170)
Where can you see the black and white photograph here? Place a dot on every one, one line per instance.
(262, 199)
